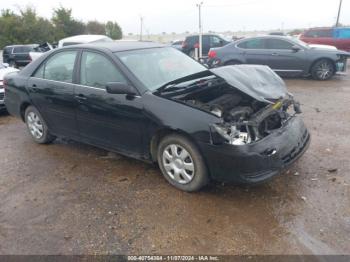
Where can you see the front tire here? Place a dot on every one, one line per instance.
(37, 126)
(323, 70)
(182, 164)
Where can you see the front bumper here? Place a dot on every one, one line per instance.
(259, 161)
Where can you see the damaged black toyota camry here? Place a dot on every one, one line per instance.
(153, 103)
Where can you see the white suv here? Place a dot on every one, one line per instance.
(4, 69)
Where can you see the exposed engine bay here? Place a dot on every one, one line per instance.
(244, 119)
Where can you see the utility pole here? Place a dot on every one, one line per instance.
(340, 4)
(141, 27)
(200, 28)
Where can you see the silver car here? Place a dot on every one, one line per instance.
(285, 55)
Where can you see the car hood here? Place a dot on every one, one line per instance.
(257, 81)
(322, 47)
(328, 50)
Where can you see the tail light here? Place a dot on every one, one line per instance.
(3, 84)
(212, 54)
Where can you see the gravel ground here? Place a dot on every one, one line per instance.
(69, 198)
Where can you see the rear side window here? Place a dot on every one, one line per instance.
(192, 40)
(278, 44)
(257, 43)
(215, 41)
(59, 67)
(18, 50)
(7, 50)
(97, 71)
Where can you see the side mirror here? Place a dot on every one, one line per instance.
(6, 65)
(296, 48)
(120, 88)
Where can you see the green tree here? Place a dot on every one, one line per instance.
(113, 30)
(96, 28)
(35, 29)
(64, 23)
(10, 23)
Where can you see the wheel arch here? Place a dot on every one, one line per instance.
(160, 134)
(228, 62)
(319, 59)
(23, 108)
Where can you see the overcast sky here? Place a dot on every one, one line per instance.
(182, 15)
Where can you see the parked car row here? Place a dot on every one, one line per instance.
(208, 41)
(336, 36)
(21, 55)
(285, 55)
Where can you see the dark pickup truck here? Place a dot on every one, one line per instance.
(17, 55)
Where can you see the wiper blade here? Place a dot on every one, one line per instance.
(175, 87)
(173, 83)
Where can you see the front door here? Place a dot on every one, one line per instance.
(283, 59)
(52, 93)
(112, 121)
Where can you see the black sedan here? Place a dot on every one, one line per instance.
(285, 55)
(154, 103)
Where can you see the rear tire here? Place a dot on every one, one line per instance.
(182, 164)
(12, 64)
(37, 126)
(323, 70)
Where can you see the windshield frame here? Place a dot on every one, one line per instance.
(119, 56)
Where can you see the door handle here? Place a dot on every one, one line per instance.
(275, 54)
(80, 97)
(34, 88)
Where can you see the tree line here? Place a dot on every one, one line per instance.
(26, 27)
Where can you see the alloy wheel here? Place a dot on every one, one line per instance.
(35, 125)
(324, 70)
(178, 164)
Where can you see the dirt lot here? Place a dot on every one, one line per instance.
(69, 198)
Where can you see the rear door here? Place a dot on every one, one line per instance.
(112, 121)
(254, 51)
(52, 92)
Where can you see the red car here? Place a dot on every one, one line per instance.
(336, 36)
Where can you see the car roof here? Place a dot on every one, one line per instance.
(10, 46)
(119, 46)
(207, 34)
(83, 38)
(282, 37)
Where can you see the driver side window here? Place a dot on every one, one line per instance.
(97, 71)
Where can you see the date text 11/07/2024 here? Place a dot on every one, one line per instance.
(173, 258)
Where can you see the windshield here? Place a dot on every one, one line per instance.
(299, 42)
(158, 66)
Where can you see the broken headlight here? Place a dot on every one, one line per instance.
(232, 135)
